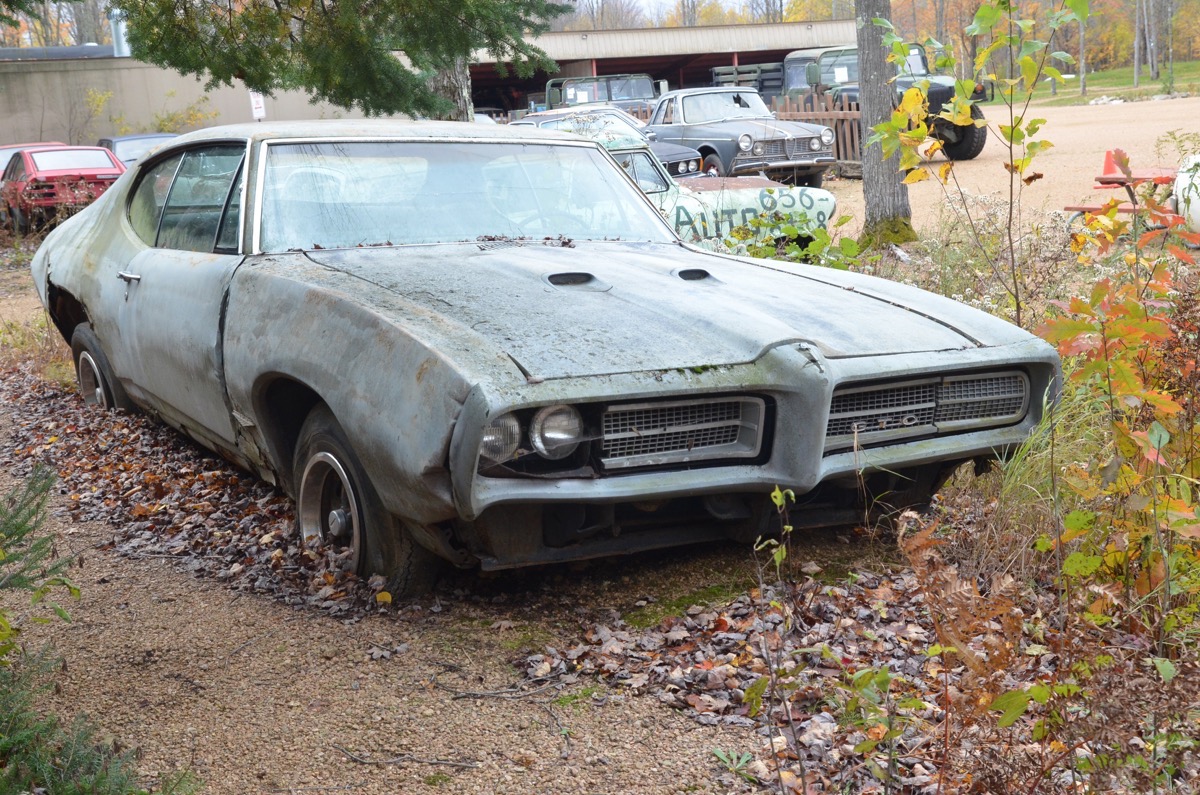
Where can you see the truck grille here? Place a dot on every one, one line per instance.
(885, 413)
(677, 432)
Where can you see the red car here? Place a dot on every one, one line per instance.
(40, 183)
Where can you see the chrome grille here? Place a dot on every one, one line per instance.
(654, 434)
(885, 413)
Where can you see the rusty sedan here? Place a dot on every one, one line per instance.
(483, 345)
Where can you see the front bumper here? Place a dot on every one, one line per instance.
(754, 165)
(797, 380)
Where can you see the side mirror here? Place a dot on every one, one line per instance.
(553, 97)
(812, 74)
(651, 135)
(661, 88)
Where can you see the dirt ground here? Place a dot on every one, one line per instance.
(259, 697)
(1081, 134)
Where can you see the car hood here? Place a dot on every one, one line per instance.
(668, 152)
(596, 308)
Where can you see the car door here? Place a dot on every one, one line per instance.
(188, 208)
(664, 122)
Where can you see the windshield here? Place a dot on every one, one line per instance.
(591, 125)
(604, 89)
(841, 67)
(67, 159)
(700, 108)
(345, 194)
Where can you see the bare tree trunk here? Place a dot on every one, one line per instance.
(1082, 58)
(454, 84)
(1137, 42)
(889, 216)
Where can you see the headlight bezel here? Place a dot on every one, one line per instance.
(827, 136)
(745, 142)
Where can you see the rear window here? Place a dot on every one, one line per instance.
(65, 159)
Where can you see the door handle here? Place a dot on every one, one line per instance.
(128, 278)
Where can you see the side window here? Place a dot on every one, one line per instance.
(665, 113)
(16, 168)
(198, 198)
(639, 166)
(231, 221)
(145, 209)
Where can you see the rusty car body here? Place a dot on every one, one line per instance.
(485, 345)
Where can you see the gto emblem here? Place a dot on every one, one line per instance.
(885, 423)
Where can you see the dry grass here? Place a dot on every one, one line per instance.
(27, 338)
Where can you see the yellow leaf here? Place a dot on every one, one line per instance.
(877, 732)
(383, 598)
(944, 171)
(916, 175)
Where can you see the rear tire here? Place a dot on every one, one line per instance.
(971, 139)
(712, 163)
(337, 505)
(16, 220)
(94, 374)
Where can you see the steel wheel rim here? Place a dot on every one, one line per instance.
(327, 507)
(91, 384)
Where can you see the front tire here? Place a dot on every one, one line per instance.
(714, 166)
(971, 139)
(338, 506)
(94, 374)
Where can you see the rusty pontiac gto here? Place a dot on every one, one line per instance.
(485, 345)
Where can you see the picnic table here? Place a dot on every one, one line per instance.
(1114, 178)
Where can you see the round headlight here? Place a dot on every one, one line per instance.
(693, 165)
(827, 136)
(501, 438)
(745, 142)
(814, 144)
(556, 431)
(681, 167)
(759, 148)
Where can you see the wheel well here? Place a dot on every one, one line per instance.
(705, 150)
(66, 310)
(283, 405)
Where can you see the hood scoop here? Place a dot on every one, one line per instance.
(577, 280)
(697, 275)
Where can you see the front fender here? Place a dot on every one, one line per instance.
(396, 397)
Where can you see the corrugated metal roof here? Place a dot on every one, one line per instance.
(648, 42)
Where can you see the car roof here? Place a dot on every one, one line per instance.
(372, 128)
(687, 92)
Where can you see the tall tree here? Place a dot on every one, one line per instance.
(339, 51)
(888, 213)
